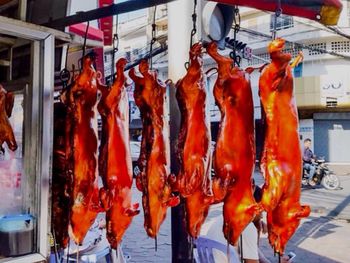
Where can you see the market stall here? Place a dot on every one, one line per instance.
(36, 166)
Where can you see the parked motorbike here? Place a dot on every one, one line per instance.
(322, 176)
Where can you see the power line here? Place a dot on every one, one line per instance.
(338, 32)
(329, 29)
(300, 45)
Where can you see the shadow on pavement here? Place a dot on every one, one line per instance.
(340, 207)
(302, 255)
(315, 227)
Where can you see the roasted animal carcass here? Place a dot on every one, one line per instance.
(281, 156)
(154, 178)
(116, 159)
(61, 181)
(6, 132)
(234, 154)
(147, 131)
(81, 151)
(193, 180)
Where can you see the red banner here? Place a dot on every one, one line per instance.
(326, 12)
(106, 23)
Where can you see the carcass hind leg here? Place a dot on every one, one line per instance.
(220, 186)
(196, 178)
(271, 189)
(170, 199)
(139, 184)
(237, 215)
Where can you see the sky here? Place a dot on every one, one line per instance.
(130, 15)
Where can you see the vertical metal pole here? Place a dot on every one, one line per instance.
(46, 137)
(9, 68)
(22, 10)
(179, 29)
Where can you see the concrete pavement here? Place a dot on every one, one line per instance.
(317, 240)
(323, 237)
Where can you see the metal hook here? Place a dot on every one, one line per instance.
(154, 39)
(278, 13)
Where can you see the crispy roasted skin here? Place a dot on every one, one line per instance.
(81, 151)
(115, 155)
(6, 132)
(147, 131)
(153, 181)
(282, 161)
(193, 180)
(61, 182)
(234, 154)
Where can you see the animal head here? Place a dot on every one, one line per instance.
(121, 63)
(212, 48)
(196, 50)
(275, 49)
(276, 45)
(143, 67)
(87, 62)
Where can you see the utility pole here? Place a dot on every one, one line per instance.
(179, 32)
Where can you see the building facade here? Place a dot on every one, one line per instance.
(322, 82)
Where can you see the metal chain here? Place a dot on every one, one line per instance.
(236, 28)
(81, 61)
(154, 39)
(85, 37)
(278, 13)
(115, 48)
(194, 29)
(194, 22)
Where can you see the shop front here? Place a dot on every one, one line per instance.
(27, 55)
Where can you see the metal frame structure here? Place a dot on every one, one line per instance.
(38, 125)
(111, 10)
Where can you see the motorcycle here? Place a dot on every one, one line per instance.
(323, 175)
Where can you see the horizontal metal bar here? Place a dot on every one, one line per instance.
(14, 27)
(5, 63)
(136, 62)
(7, 41)
(154, 53)
(114, 9)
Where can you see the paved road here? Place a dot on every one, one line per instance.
(323, 237)
(139, 246)
(330, 203)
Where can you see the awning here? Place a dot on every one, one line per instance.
(326, 12)
(93, 33)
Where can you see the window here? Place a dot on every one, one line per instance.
(316, 51)
(282, 22)
(340, 46)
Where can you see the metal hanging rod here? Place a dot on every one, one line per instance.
(111, 10)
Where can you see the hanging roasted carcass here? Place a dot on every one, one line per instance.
(147, 131)
(61, 182)
(115, 158)
(6, 132)
(282, 161)
(193, 180)
(234, 155)
(81, 150)
(154, 178)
